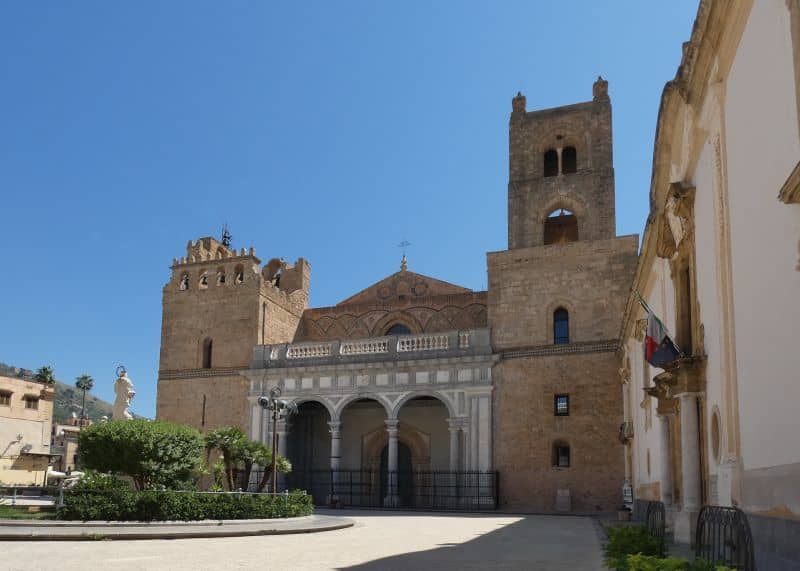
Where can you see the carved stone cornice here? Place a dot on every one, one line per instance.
(790, 192)
(684, 375)
(676, 221)
(665, 404)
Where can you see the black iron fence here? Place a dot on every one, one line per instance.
(723, 536)
(652, 515)
(421, 490)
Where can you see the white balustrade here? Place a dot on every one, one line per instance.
(308, 351)
(376, 345)
(423, 343)
(364, 347)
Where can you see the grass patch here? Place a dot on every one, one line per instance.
(8, 512)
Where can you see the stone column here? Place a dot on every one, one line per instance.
(686, 519)
(666, 461)
(690, 452)
(392, 499)
(474, 434)
(280, 428)
(454, 425)
(558, 150)
(336, 443)
(255, 422)
(465, 465)
(336, 456)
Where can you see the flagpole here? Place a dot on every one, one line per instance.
(643, 302)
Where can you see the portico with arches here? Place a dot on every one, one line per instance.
(425, 408)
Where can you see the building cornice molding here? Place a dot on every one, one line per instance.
(200, 373)
(373, 366)
(608, 346)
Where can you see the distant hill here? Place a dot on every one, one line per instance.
(68, 398)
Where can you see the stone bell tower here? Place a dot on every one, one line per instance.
(561, 158)
(555, 304)
(218, 304)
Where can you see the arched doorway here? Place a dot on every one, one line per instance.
(363, 422)
(400, 483)
(308, 448)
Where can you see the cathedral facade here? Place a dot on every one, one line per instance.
(508, 396)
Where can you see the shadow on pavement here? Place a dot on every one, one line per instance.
(532, 543)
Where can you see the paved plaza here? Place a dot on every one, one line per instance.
(379, 540)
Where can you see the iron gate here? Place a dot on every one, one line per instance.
(421, 490)
(723, 536)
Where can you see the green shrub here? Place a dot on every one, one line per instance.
(629, 540)
(92, 480)
(152, 505)
(651, 563)
(152, 453)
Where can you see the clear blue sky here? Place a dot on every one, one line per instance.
(328, 130)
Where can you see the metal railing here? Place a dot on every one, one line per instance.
(653, 516)
(415, 490)
(12, 495)
(723, 536)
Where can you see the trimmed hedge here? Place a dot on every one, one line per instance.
(151, 505)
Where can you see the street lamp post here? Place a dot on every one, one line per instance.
(279, 408)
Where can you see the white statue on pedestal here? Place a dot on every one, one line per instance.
(123, 388)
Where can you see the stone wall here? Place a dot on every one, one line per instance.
(526, 428)
(204, 402)
(589, 279)
(424, 314)
(216, 294)
(588, 192)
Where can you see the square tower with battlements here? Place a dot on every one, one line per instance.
(560, 162)
(555, 303)
(218, 304)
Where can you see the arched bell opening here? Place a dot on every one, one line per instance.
(560, 227)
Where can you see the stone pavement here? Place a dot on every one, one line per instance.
(379, 540)
(48, 530)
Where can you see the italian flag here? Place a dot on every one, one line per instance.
(659, 348)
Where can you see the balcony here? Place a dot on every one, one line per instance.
(471, 342)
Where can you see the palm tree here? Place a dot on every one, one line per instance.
(230, 441)
(264, 459)
(45, 375)
(241, 453)
(84, 383)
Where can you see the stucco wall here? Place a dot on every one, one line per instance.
(24, 432)
(762, 149)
